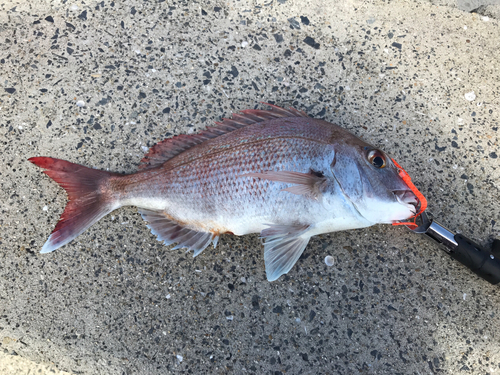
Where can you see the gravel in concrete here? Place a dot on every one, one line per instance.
(97, 83)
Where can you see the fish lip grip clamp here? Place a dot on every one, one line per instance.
(483, 262)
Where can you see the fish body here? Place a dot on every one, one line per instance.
(278, 173)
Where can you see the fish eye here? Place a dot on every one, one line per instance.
(376, 158)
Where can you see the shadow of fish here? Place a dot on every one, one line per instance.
(275, 172)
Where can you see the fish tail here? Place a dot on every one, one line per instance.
(89, 198)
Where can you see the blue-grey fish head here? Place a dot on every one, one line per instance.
(370, 181)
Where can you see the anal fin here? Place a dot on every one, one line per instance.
(169, 231)
(283, 246)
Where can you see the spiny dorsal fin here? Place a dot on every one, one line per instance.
(168, 148)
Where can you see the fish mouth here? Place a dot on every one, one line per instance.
(407, 198)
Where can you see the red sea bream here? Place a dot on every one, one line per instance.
(275, 172)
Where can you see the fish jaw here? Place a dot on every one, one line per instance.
(401, 207)
(387, 209)
(408, 200)
(406, 197)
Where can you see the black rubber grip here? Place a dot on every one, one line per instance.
(479, 260)
(495, 248)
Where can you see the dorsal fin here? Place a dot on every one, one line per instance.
(170, 147)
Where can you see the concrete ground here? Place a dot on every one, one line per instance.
(97, 83)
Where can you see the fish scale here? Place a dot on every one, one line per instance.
(277, 172)
(214, 187)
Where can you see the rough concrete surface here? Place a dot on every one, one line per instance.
(492, 11)
(488, 8)
(116, 301)
(14, 364)
(468, 5)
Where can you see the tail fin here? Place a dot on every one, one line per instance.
(89, 198)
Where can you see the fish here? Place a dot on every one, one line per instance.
(276, 172)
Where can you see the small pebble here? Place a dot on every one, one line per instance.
(80, 103)
(45, 208)
(244, 44)
(329, 261)
(168, 296)
(470, 96)
(230, 317)
(179, 357)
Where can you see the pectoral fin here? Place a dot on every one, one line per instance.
(283, 246)
(308, 184)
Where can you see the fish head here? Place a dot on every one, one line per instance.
(369, 179)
